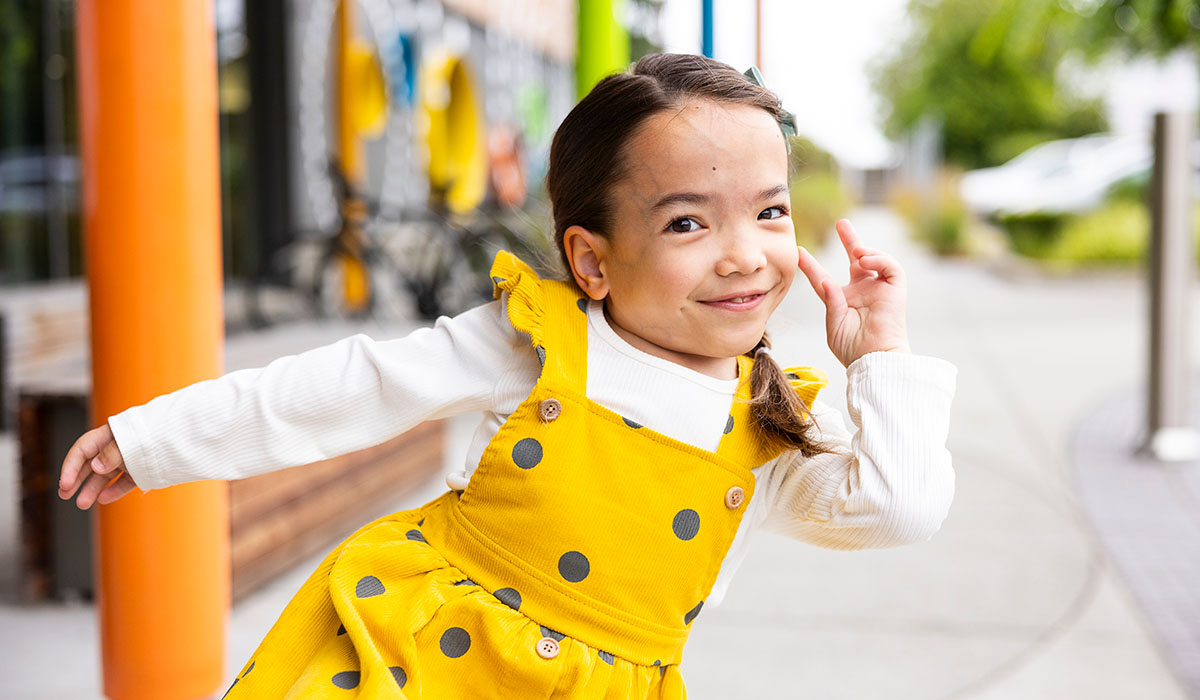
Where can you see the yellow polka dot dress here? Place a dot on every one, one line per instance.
(572, 566)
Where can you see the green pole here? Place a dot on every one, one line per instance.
(603, 43)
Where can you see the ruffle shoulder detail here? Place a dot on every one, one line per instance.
(807, 381)
(526, 293)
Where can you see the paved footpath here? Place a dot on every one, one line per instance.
(1014, 599)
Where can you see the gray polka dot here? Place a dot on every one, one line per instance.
(631, 424)
(497, 280)
(729, 425)
(420, 522)
(455, 642)
(415, 535)
(466, 582)
(606, 657)
(556, 636)
(235, 680)
(368, 586)
(793, 375)
(346, 679)
(658, 662)
(527, 453)
(691, 614)
(541, 353)
(686, 524)
(662, 671)
(399, 674)
(582, 304)
(510, 597)
(574, 567)
(341, 630)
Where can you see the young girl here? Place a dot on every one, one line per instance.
(636, 429)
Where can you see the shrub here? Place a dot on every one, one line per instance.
(818, 201)
(1033, 235)
(1117, 232)
(818, 197)
(939, 219)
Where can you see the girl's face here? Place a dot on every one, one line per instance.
(703, 248)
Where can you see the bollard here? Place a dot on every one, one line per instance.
(1170, 435)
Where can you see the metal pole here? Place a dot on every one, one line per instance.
(148, 122)
(1170, 434)
(706, 37)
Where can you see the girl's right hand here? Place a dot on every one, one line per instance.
(96, 462)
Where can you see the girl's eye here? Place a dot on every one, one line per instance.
(684, 224)
(779, 211)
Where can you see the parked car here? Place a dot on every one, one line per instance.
(1066, 176)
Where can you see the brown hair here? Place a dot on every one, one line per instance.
(586, 159)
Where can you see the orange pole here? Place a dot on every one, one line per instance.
(148, 121)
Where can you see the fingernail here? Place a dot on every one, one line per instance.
(97, 465)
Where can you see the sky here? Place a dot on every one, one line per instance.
(816, 53)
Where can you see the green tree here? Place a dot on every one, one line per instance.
(1154, 27)
(987, 71)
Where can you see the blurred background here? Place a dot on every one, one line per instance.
(375, 154)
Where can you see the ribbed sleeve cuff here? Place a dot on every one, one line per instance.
(130, 440)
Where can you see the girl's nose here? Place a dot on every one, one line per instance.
(742, 253)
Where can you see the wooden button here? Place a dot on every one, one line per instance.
(549, 410)
(547, 648)
(734, 497)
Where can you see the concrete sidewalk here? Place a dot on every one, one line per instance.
(1014, 599)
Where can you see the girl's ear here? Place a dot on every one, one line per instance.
(586, 253)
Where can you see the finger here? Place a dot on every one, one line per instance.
(116, 489)
(74, 468)
(885, 266)
(848, 237)
(110, 459)
(91, 489)
(814, 272)
(835, 303)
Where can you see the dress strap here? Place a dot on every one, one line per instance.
(807, 381)
(552, 313)
(743, 441)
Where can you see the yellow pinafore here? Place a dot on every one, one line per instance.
(572, 566)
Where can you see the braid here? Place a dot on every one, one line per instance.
(777, 409)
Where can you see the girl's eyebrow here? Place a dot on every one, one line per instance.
(679, 198)
(772, 192)
(697, 198)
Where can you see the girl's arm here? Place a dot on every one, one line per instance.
(889, 483)
(305, 408)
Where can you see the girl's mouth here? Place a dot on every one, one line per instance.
(739, 302)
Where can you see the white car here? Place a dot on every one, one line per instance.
(1071, 175)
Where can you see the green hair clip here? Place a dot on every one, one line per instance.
(788, 124)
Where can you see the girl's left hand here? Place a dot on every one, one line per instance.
(866, 315)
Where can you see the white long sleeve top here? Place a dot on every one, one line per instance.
(889, 483)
